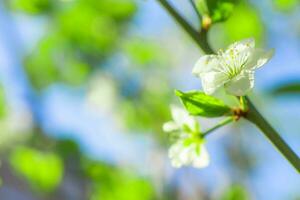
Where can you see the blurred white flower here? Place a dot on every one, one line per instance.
(188, 148)
(181, 121)
(233, 68)
(193, 154)
(16, 126)
(102, 93)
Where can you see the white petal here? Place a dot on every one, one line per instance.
(170, 126)
(201, 160)
(242, 45)
(211, 81)
(175, 154)
(182, 155)
(181, 117)
(241, 84)
(205, 64)
(258, 58)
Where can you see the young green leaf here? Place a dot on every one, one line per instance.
(217, 10)
(202, 7)
(198, 103)
(221, 10)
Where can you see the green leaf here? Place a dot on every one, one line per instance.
(202, 7)
(198, 103)
(292, 88)
(220, 10)
(217, 10)
(43, 170)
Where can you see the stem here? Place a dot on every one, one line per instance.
(200, 39)
(255, 117)
(243, 103)
(220, 124)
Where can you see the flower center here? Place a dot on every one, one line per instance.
(233, 62)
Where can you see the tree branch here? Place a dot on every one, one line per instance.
(199, 38)
(255, 117)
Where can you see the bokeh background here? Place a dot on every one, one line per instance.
(86, 86)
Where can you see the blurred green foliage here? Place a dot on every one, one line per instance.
(44, 173)
(125, 188)
(79, 43)
(91, 34)
(285, 5)
(43, 170)
(144, 53)
(292, 88)
(147, 110)
(117, 9)
(110, 183)
(235, 192)
(31, 6)
(249, 24)
(53, 61)
(3, 103)
(75, 43)
(67, 149)
(1, 182)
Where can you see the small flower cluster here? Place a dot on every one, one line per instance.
(232, 69)
(188, 148)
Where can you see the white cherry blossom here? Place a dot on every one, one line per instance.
(233, 68)
(188, 148)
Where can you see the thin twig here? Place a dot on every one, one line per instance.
(218, 125)
(201, 42)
